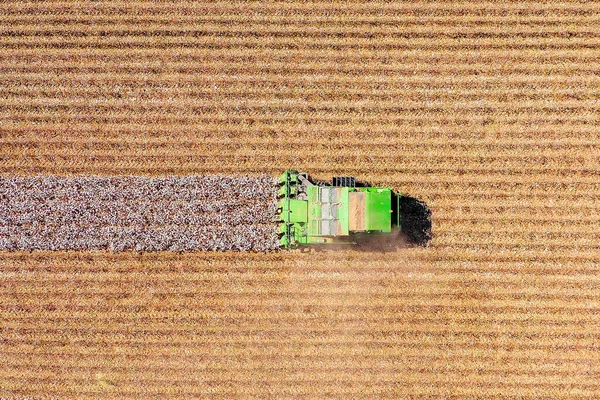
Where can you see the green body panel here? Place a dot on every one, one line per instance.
(379, 207)
(298, 210)
(312, 214)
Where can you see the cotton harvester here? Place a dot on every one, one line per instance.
(347, 213)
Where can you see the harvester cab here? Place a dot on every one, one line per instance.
(313, 213)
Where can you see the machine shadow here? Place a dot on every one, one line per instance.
(415, 231)
(415, 215)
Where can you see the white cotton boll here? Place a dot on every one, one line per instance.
(192, 213)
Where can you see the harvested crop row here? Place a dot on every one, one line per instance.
(207, 212)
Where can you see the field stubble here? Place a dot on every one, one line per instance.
(233, 324)
(485, 111)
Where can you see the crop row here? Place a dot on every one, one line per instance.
(194, 271)
(520, 367)
(322, 77)
(395, 348)
(467, 141)
(301, 374)
(424, 386)
(378, 7)
(294, 105)
(342, 20)
(97, 93)
(237, 40)
(485, 291)
(474, 354)
(418, 117)
(575, 162)
(78, 90)
(124, 314)
(149, 303)
(309, 298)
(416, 29)
(445, 56)
(21, 264)
(541, 275)
(466, 153)
(433, 144)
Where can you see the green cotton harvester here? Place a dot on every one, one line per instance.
(345, 213)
